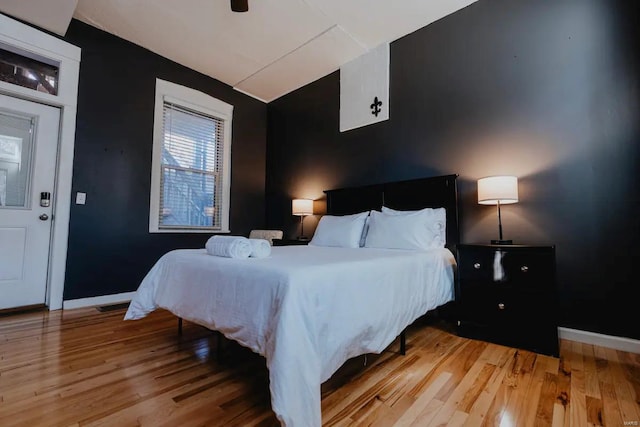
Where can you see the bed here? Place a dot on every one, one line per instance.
(307, 309)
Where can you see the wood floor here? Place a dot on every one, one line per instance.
(88, 368)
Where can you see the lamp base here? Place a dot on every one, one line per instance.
(502, 242)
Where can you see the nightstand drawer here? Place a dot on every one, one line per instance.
(476, 265)
(528, 268)
(497, 303)
(516, 266)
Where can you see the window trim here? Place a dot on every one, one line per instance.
(206, 104)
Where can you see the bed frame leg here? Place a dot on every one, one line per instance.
(219, 346)
(218, 339)
(403, 342)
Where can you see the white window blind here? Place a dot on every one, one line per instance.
(191, 169)
(191, 164)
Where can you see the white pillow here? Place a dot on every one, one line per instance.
(342, 231)
(436, 220)
(415, 230)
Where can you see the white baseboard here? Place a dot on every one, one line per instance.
(101, 300)
(610, 341)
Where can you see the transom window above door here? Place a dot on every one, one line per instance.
(28, 70)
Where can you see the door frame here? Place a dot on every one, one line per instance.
(33, 41)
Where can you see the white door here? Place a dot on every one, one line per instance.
(28, 146)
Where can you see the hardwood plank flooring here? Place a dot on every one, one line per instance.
(89, 368)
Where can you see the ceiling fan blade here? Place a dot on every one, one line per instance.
(239, 5)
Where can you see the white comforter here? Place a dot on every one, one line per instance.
(306, 309)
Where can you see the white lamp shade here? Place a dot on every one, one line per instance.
(494, 189)
(302, 207)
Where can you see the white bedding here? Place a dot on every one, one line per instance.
(305, 309)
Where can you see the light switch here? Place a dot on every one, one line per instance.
(81, 198)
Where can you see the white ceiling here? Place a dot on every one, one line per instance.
(51, 15)
(274, 48)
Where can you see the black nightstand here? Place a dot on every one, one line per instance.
(288, 242)
(507, 294)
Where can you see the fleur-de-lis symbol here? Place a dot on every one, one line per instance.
(375, 107)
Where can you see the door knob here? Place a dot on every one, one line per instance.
(43, 217)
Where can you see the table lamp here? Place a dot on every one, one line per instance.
(498, 190)
(302, 208)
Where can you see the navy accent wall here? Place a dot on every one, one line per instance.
(547, 91)
(110, 247)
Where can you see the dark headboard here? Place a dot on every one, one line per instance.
(435, 192)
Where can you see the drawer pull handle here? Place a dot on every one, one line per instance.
(501, 306)
(524, 268)
(476, 266)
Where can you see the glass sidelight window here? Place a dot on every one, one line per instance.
(16, 147)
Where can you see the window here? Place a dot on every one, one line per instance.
(28, 70)
(190, 179)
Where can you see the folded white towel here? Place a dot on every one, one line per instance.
(260, 248)
(229, 246)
